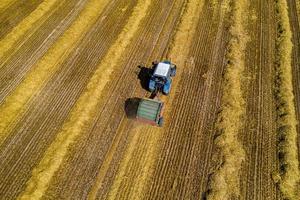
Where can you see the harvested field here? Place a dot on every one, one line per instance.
(69, 68)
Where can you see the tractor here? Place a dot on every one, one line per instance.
(150, 109)
(160, 80)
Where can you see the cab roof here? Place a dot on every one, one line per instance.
(162, 69)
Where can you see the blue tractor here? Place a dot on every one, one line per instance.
(160, 80)
(150, 110)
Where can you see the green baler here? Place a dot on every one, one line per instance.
(150, 111)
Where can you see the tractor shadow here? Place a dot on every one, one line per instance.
(131, 107)
(144, 76)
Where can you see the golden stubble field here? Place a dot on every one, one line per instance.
(231, 120)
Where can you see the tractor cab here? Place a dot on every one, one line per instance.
(160, 80)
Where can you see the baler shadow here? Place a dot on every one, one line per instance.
(131, 107)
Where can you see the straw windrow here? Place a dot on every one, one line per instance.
(286, 114)
(224, 183)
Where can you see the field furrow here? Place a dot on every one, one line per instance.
(258, 132)
(15, 104)
(13, 15)
(32, 49)
(10, 40)
(5, 4)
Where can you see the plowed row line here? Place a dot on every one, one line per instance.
(129, 163)
(5, 3)
(51, 107)
(258, 133)
(15, 104)
(225, 181)
(104, 168)
(287, 132)
(34, 47)
(22, 28)
(83, 112)
(14, 14)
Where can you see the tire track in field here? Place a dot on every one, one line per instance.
(82, 112)
(36, 46)
(15, 104)
(5, 3)
(122, 176)
(294, 12)
(95, 144)
(258, 133)
(14, 14)
(30, 138)
(9, 41)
